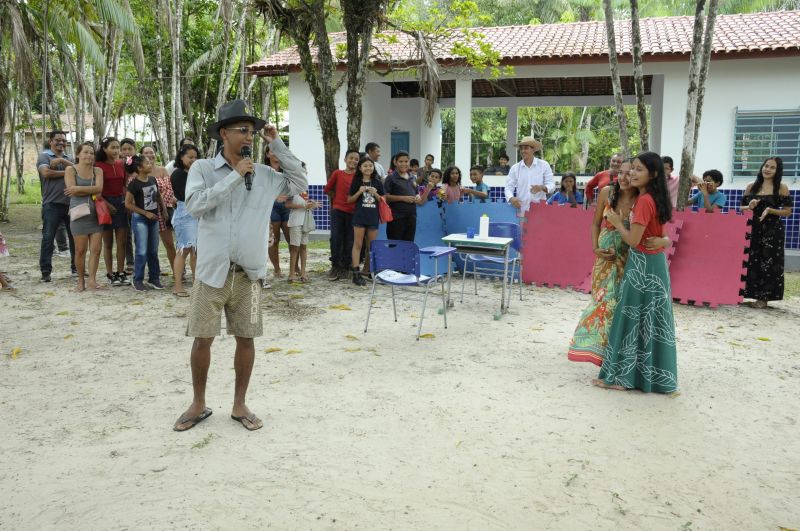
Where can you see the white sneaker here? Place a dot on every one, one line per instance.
(62, 254)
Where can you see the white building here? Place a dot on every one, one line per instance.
(752, 100)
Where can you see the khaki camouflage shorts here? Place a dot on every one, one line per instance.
(241, 300)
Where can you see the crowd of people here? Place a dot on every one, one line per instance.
(206, 218)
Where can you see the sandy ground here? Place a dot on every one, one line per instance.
(484, 426)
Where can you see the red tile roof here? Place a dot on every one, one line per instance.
(748, 34)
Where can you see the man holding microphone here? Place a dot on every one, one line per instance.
(231, 263)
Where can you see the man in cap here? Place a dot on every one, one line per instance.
(530, 179)
(232, 260)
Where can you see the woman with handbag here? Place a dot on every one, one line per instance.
(83, 182)
(107, 159)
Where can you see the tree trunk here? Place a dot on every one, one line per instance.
(638, 76)
(615, 82)
(360, 18)
(305, 24)
(698, 69)
(163, 137)
(586, 123)
(708, 40)
(176, 25)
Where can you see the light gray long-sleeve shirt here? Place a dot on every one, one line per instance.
(234, 223)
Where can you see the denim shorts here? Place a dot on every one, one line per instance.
(185, 227)
(280, 214)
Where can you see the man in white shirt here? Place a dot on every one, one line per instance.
(374, 153)
(530, 179)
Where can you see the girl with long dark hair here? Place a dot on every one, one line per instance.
(640, 353)
(769, 200)
(591, 335)
(107, 158)
(184, 224)
(366, 190)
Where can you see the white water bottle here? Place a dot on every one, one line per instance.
(484, 227)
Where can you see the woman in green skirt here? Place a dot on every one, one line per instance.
(589, 341)
(641, 343)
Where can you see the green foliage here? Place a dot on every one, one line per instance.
(562, 130)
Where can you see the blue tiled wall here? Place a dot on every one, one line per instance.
(497, 193)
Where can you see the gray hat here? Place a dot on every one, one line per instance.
(230, 113)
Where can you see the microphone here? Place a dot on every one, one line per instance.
(247, 153)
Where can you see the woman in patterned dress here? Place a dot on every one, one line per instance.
(591, 335)
(641, 343)
(770, 202)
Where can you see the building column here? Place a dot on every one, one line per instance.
(512, 127)
(463, 124)
(656, 112)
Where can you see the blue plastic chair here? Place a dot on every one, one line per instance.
(396, 263)
(488, 265)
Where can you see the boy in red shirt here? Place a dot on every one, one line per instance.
(338, 188)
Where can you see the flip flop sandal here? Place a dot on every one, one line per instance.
(192, 421)
(181, 293)
(293, 280)
(254, 422)
(305, 280)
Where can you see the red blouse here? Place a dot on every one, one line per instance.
(113, 178)
(644, 212)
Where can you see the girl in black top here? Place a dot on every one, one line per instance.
(365, 191)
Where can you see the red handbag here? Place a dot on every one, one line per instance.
(103, 212)
(384, 211)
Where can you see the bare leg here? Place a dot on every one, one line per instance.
(358, 240)
(178, 265)
(193, 262)
(273, 249)
(243, 364)
(81, 243)
(371, 235)
(200, 361)
(169, 244)
(303, 258)
(108, 244)
(365, 269)
(95, 243)
(293, 252)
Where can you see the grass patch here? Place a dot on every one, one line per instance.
(791, 285)
(33, 191)
(204, 441)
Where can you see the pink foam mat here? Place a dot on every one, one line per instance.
(556, 246)
(710, 259)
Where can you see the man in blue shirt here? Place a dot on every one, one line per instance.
(708, 196)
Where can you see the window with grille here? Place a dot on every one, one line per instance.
(762, 134)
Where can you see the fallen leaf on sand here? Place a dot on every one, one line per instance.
(292, 352)
(136, 303)
(272, 349)
(352, 349)
(351, 337)
(49, 294)
(60, 314)
(297, 296)
(763, 339)
(427, 336)
(68, 336)
(15, 352)
(458, 444)
(340, 307)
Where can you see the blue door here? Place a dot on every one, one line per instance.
(400, 141)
